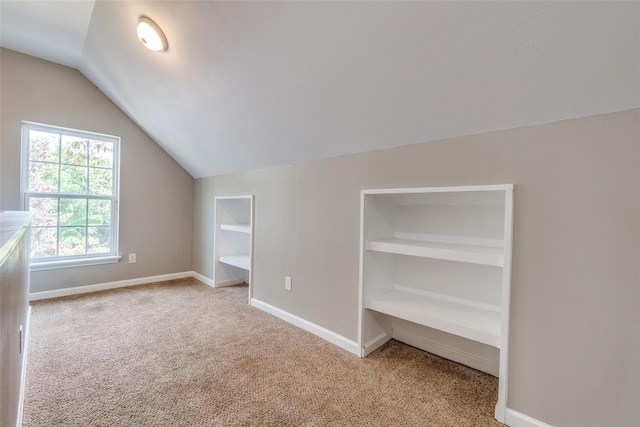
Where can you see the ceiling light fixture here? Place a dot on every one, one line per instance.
(151, 35)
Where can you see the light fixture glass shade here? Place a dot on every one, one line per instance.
(151, 35)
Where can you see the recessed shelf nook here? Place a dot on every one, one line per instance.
(438, 260)
(233, 241)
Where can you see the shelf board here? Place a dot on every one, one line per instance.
(467, 320)
(240, 228)
(243, 261)
(485, 255)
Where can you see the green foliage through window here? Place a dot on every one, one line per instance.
(71, 186)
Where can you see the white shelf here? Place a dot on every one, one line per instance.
(240, 228)
(240, 261)
(457, 316)
(485, 255)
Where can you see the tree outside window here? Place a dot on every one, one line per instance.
(70, 182)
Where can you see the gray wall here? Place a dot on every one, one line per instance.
(575, 345)
(156, 194)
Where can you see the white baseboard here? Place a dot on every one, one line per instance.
(203, 279)
(220, 284)
(517, 419)
(34, 296)
(451, 353)
(375, 344)
(23, 376)
(325, 334)
(224, 283)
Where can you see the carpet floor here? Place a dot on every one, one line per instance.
(179, 353)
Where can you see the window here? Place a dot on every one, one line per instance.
(70, 182)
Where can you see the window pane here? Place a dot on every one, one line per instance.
(72, 241)
(99, 239)
(43, 146)
(101, 154)
(73, 179)
(43, 177)
(100, 181)
(45, 211)
(74, 150)
(73, 212)
(43, 241)
(99, 212)
(70, 185)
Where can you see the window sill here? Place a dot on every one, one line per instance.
(52, 265)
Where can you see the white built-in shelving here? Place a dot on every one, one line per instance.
(439, 258)
(463, 317)
(487, 255)
(240, 261)
(233, 241)
(240, 228)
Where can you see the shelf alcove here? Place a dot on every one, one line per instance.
(435, 273)
(233, 241)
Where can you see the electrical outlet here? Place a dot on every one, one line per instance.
(287, 283)
(132, 258)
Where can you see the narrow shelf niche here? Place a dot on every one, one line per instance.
(233, 241)
(435, 273)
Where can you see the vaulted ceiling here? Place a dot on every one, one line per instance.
(246, 85)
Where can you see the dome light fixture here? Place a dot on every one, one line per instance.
(151, 35)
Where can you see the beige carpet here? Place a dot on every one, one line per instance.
(179, 353)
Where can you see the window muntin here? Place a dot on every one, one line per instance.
(70, 181)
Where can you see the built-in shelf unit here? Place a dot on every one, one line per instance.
(233, 241)
(438, 261)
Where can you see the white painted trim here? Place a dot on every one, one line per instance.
(232, 197)
(23, 376)
(84, 262)
(34, 296)
(325, 334)
(225, 283)
(439, 189)
(517, 419)
(503, 378)
(451, 353)
(203, 279)
(361, 345)
(375, 343)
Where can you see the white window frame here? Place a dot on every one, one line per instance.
(74, 260)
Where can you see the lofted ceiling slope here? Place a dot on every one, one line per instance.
(247, 85)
